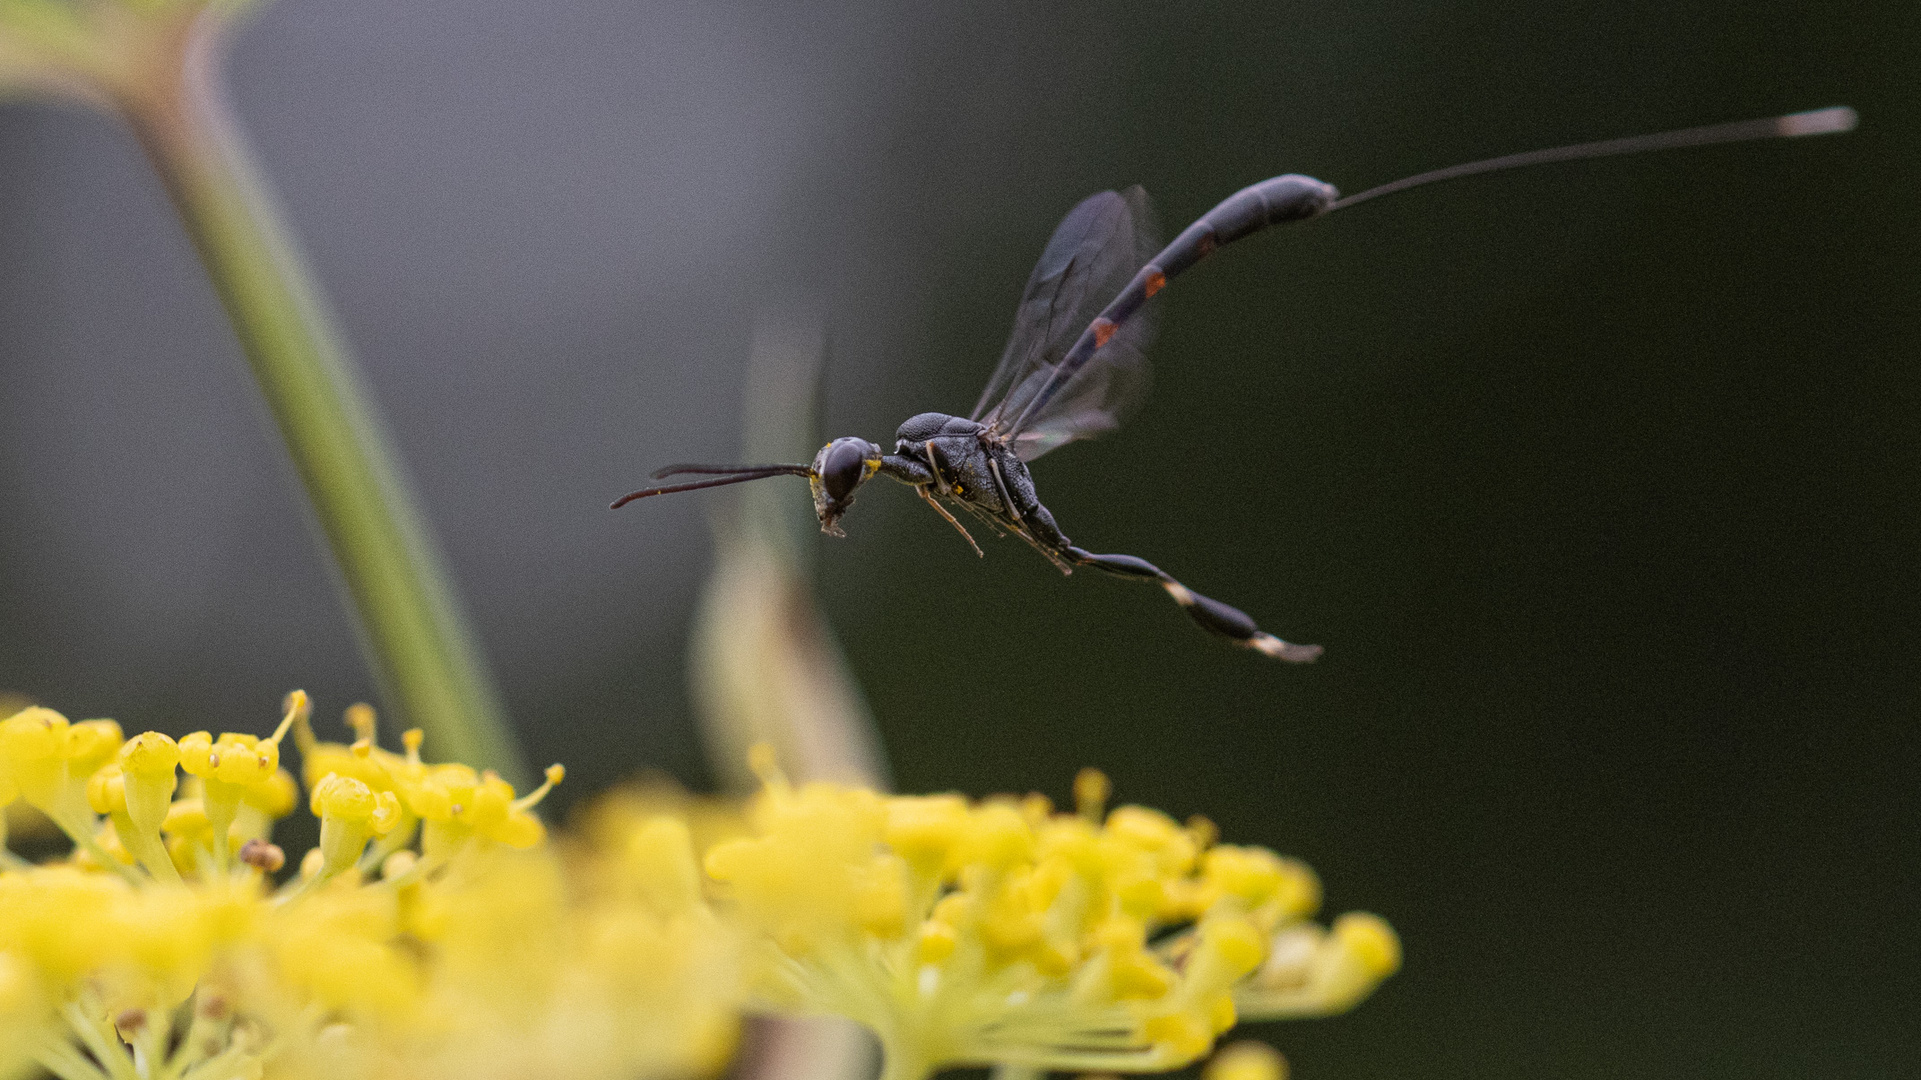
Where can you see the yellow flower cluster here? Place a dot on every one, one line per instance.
(431, 933)
(1001, 932)
(434, 931)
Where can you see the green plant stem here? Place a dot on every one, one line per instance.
(426, 660)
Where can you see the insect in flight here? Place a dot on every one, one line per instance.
(1076, 363)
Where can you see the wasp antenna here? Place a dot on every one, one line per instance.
(1830, 121)
(734, 476)
(722, 470)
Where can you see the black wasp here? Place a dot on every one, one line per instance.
(1076, 364)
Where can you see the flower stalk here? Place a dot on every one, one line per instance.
(159, 69)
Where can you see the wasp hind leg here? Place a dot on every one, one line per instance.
(1213, 616)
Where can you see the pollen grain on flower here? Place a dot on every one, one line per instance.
(434, 932)
(1001, 932)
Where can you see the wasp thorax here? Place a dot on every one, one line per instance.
(838, 469)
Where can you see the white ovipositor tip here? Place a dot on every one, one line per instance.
(1819, 121)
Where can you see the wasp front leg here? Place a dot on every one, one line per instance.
(951, 519)
(917, 475)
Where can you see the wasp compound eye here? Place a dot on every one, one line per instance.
(838, 469)
(843, 467)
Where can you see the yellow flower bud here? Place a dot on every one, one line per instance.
(17, 999)
(276, 796)
(1235, 944)
(1153, 832)
(399, 864)
(108, 839)
(1141, 896)
(107, 791)
(322, 759)
(880, 897)
(1248, 874)
(350, 814)
(660, 855)
(925, 830)
(91, 744)
(1132, 972)
(1010, 925)
(1315, 972)
(441, 792)
(241, 759)
(1091, 791)
(343, 798)
(187, 819)
(137, 804)
(1220, 1011)
(361, 717)
(503, 819)
(1371, 941)
(150, 754)
(997, 836)
(1178, 1037)
(935, 942)
(1138, 976)
(239, 767)
(1056, 959)
(196, 750)
(147, 763)
(33, 746)
(1246, 1060)
(1299, 893)
(1203, 831)
(387, 812)
(517, 830)
(489, 801)
(730, 859)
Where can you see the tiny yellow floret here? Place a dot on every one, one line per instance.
(1246, 1060)
(1371, 941)
(150, 754)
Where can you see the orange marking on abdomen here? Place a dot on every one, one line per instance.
(1103, 331)
(1156, 281)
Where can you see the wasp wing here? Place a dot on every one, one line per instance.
(1095, 250)
(1096, 399)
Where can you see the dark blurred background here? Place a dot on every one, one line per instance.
(1598, 481)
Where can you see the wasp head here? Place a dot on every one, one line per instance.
(839, 468)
